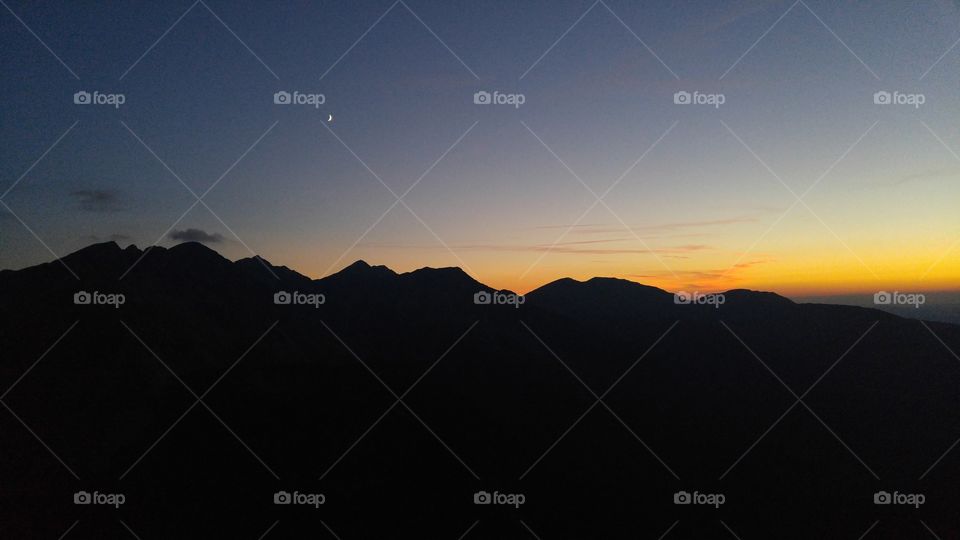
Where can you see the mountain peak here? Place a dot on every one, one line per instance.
(191, 247)
(97, 249)
(359, 266)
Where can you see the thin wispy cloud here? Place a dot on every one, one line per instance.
(596, 228)
(98, 200)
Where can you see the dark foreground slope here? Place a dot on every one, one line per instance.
(398, 398)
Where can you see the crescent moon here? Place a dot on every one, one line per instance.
(329, 117)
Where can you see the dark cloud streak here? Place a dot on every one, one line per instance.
(196, 235)
(98, 200)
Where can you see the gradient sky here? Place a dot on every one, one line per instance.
(706, 208)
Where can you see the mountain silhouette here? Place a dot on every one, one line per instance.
(399, 397)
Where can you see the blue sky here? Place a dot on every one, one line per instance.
(509, 193)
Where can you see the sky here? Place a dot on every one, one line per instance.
(787, 175)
